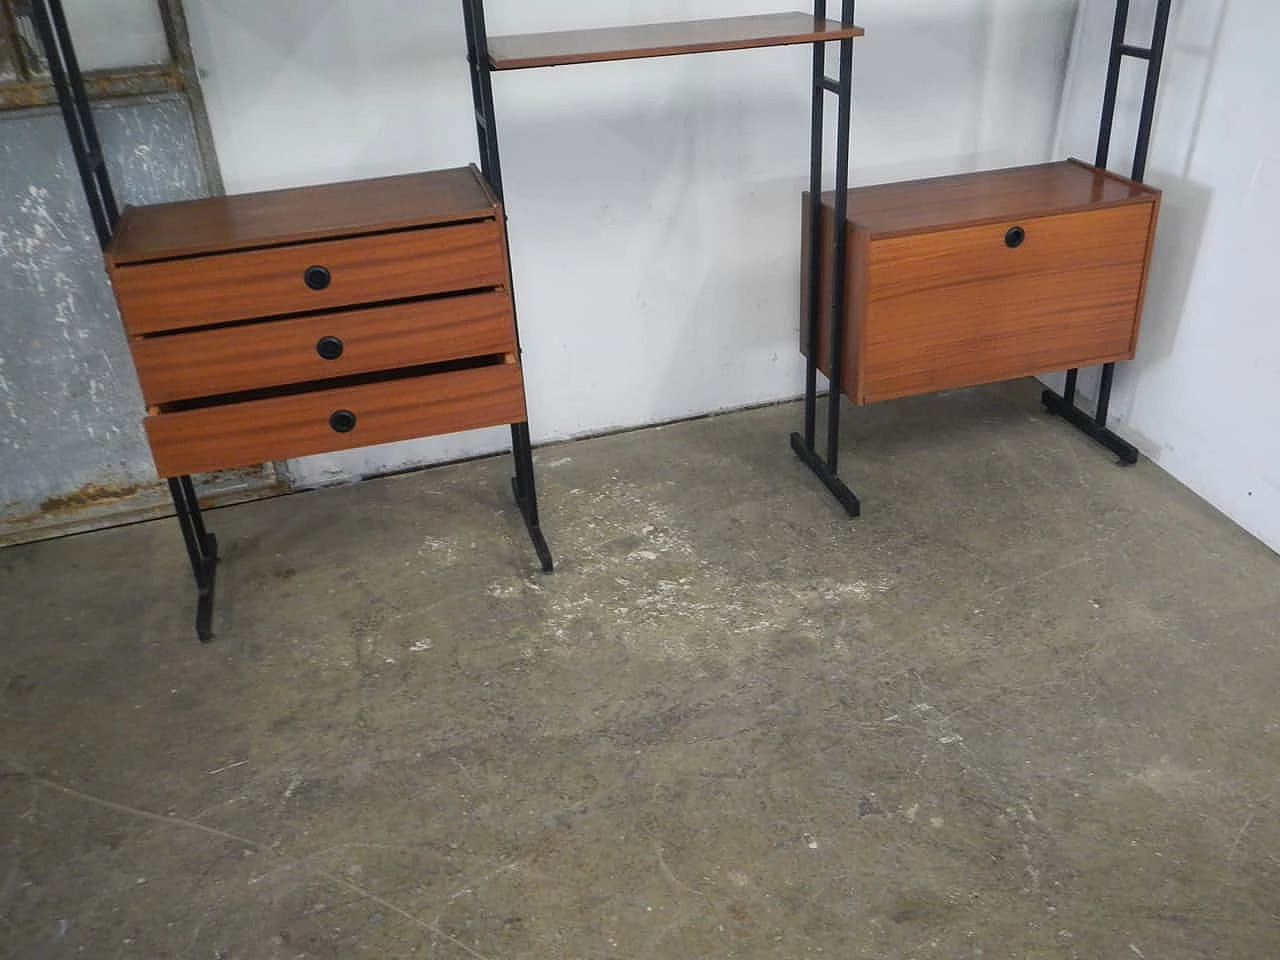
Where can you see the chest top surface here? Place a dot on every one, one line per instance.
(990, 196)
(298, 215)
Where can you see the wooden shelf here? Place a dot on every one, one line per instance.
(662, 40)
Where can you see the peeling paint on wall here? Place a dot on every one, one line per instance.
(70, 407)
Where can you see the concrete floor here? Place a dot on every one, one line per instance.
(1025, 707)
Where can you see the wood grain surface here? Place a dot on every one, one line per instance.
(662, 40)
(998, 328)
(970, 199)
(240, 434)
(902, 266)
(207, 363)
(300, 214)
(178, 294)
(936, 299)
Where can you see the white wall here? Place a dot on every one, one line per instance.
(116, 33)
(1200, 397)
(655, 204)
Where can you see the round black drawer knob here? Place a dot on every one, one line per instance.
(330, 348)
(317, 278)
(1014, 237)
(342, 421)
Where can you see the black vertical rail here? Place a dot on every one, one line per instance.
(68, 81)
(1155, 62)
(1146, 120)
(839, 267)
(202, 549)
(197, 519)
(1064, 406)
(482, 94)
(523, 485)
(1112, 89)
(1101, 159)
(1110, 94)
(814, 277)
(1069, 388)
(64, 69)
(805, 444)
(1104, 394)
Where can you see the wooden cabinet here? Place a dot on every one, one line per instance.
(277, 325)
(971, 279)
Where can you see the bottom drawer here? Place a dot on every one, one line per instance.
(1000, 329)
(280, 428)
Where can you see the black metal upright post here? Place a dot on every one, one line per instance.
(805, 445)
(64, 70)
(1065, 405)
(68, 82)
(522, 484)
(202, 549)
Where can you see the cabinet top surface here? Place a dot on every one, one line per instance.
(990, 196)
(223, 224)
(662, 40)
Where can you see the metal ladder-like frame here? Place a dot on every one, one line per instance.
(827, 468)
(202, 547)
(1095, 426)
(1065, 406)
(68, 81)
(842, 87)
(522, 484)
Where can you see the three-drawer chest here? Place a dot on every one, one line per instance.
(278, 325)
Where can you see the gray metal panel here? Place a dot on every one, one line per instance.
(70, 407)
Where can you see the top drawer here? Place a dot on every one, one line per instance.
(1067, 244)
(203, 290)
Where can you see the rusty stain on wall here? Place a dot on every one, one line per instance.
(89, 495)
(100, 85)
(93, 506)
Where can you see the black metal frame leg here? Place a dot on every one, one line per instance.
(522, 484)
(1065, 405)
(202, 548)
(1095, 426)
(804, 445)
(55, 35)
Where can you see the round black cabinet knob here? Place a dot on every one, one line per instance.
(330, 348)
(317, 278)
(342, 421)
(1014, 237)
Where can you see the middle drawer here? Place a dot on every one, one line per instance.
(207, 363)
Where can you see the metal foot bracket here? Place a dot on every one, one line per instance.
(1090, 426)
(810, 458)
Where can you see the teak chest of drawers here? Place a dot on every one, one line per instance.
(970, 279)
(278, 325)
(271, 326)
